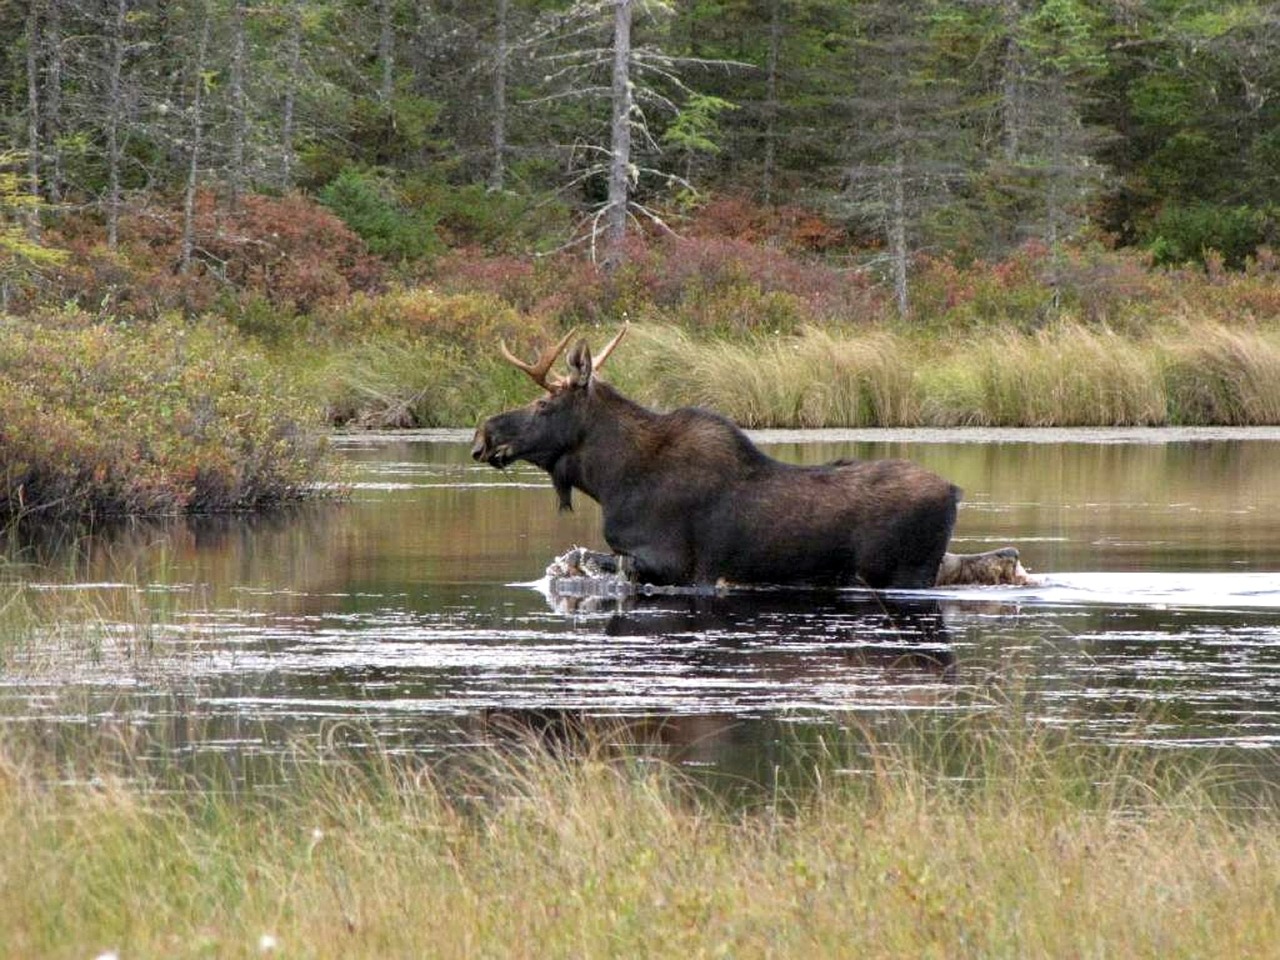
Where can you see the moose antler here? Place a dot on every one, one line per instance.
(604, 354)
(538, 371)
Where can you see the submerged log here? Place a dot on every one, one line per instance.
(990, 569)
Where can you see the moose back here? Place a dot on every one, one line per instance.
(689, 499)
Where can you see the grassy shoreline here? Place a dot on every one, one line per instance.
(984, 839)
(104, 420)
(1068, 374)
(105, 415)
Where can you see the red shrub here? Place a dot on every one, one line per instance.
(288, 251)
(791, 227)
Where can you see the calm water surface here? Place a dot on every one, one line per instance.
(406, 617)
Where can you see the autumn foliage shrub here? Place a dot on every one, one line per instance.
(731, 285)
(288, 252)
(1033, 286)
(788, 227)
(712, 285)
(101, 419)
(472, 319)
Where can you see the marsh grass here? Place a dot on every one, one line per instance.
(1068, 374)
(1214, 374)
(983, 836)
(394, 382)
(813, 379)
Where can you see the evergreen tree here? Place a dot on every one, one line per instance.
(905, 155)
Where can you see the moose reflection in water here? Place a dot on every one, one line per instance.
(783, 639)
(689, 499)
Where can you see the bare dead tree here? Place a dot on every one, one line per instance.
(239, 110)
(33, 116)
(386, 52)
(293, 63)
(591, 54)
(619, 138)
(498, 128)
(196, 143)
(115, 111)
(771, 104)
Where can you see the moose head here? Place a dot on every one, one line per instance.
(547, 431)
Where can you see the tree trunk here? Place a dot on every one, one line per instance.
(501, 52)
(239, 121)
(620, 139)
(898, 233)
(386, 52)
(897, 224)
(114, 111)
(293, 51)
(197, 140)
(1011, 84)
(771, 101)
(33, 116)
(53, 99)
(1056, 175)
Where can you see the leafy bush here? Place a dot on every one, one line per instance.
(387, 225)
(477, 320)
(761, 289)
(288, 252)
(418, 358)
(1189, 234)
(789, 227)
(701, 284)
(471, 216)
(103, 420)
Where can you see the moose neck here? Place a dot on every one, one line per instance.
(617, 437)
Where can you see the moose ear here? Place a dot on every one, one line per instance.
(580, 364)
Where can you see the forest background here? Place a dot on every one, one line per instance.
(225, 225)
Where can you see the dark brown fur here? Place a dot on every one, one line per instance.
(690, 499)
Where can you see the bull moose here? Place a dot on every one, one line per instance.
(689, 499)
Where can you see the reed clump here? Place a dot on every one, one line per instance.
(956, 839)
(816, 378)
(1218, 375)
(1067, 374)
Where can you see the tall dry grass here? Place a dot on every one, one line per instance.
(816, 378)
(974, 840)
(1214, 374)
(1069, 374)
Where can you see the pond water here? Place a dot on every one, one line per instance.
(407, 617)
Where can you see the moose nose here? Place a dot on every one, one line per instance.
(479, 445)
